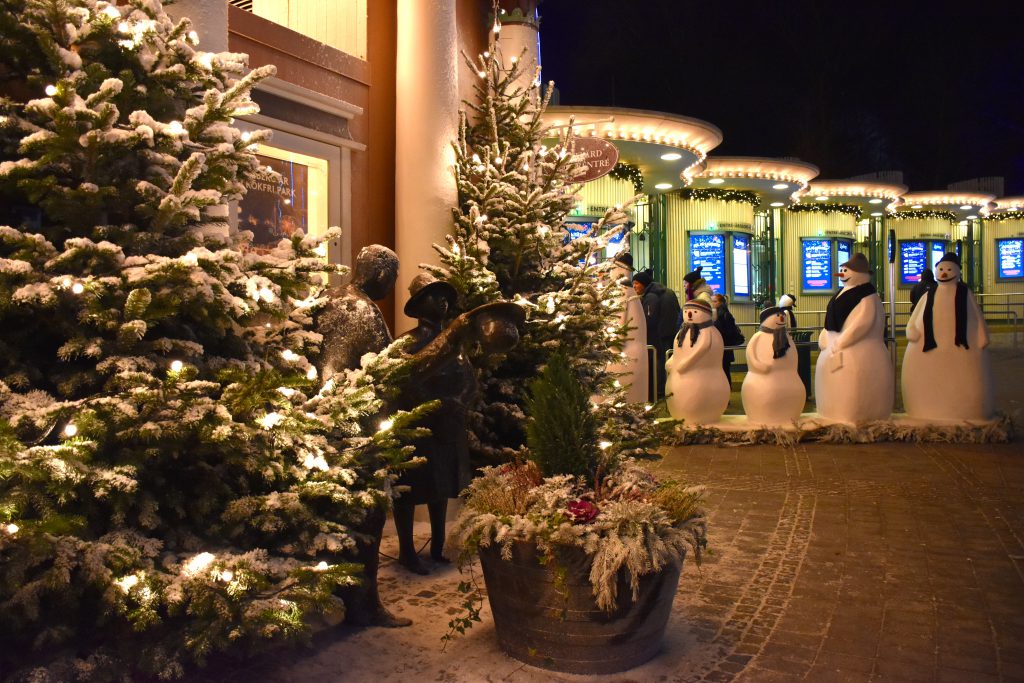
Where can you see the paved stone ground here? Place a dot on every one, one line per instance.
(879, 562)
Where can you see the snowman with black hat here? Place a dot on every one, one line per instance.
(854, 380)
(772, 391)
(697, 390)
(946, 373)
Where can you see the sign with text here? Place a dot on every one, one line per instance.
(275, 207)
(844, 250)
(708, 252)
(817, 275)
(913, 260)
(741, 265)
(1010, 259)
(600, 157)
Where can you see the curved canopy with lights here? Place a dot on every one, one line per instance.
(872, 198)
(1008, 204)
(965, 205)
(777, 182)
(664, 146)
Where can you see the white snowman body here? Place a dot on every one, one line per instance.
(854, 380)
(697, 388)
(633, 364)
(949, 382)
(772, 391)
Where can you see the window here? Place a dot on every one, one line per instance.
(915, 256)
(708, 252)
(817, 268)
(1010, 259)
(741, 265)
(340, 24)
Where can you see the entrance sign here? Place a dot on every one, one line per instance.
(708, 251)
(817, 275)
(599, 155)
(1010, 259)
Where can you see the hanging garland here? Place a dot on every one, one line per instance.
(828, 208)
(1015, 215)
(703, 195)
(922, 214)
(624, 171)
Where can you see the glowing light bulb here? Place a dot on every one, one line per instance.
(321, 249)
(311, 373)
(175, 128)
(289, 355)
(12, 528)
(78, 288)
(604, 445)
(206, 60)
(112, 12)
(66, 282)
(385, 425)
(497, 28)
(267, 294)
(198, 563)
(227, 575)
(126, 583)
(51, 90)
(322, 566)
(246, 136)
(190, 259)
(70, 429)
(193, 37)
(176, 366)
(648, 407)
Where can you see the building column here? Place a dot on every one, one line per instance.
(520, 39)
(427, 106)
(209, 19)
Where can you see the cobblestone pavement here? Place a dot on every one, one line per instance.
(900, 562)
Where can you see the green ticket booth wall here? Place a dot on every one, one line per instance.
(920, 244)
(814, 243)
(1003, 262)
(717, 235)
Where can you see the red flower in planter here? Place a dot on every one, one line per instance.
(582, 511)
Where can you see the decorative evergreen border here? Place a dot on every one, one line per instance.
(705, 194)
(624, 171)
(827, 207)
(1015, 215)
(922, 214)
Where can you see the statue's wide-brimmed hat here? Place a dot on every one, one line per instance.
(498, 324)
(858, 263)
(425, 285)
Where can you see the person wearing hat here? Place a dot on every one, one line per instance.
(854, 379)
(632, 368)
(946, 373)
(697, 286)
(446, 450)
(731, 334)
(662, 314)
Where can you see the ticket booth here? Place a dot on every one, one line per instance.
(1002, 259)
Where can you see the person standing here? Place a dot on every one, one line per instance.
(697, 286)
(731, 334)
(926, 283)
(663, 316)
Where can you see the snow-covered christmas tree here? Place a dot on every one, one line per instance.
(510, 241)
(175, 479)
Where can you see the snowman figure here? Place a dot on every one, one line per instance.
(633, 362)
(772, 391)
(854, 379)
(946, 373)
(697, 389)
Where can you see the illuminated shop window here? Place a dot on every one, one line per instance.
(708, 252)
(915, 256)
(338, 23)
(275, 208)
(1010, 259)
(817, 275)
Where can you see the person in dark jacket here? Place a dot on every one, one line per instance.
(663, 315)
(926, 282)
(731, 334)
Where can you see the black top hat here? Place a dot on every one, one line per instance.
(950, 257)
(693, 276)
(424, 285)
(769, 312)
(858, 263)
(624, 258)
(644, 277)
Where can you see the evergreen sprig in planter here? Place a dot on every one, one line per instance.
(581, 550)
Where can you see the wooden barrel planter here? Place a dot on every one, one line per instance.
(561, 628)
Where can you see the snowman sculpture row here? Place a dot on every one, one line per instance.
(946, 374)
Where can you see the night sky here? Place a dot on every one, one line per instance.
(933, 89)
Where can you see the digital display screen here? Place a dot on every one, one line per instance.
(938, 251)
(913, 260)
(741, 265)
(577, 230)
(844, 250)
(708, 252)
(817, 275)
(1010, 259)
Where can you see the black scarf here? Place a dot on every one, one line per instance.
(694, 329)
(780, 342)
(959, 310)
(840, 307)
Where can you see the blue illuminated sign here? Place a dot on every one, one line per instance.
(913, 260)
(708, 252)
(938, 251)
(844, 250)
(741, 265)
(1010, 259)
(577, 230)
(817, 275)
